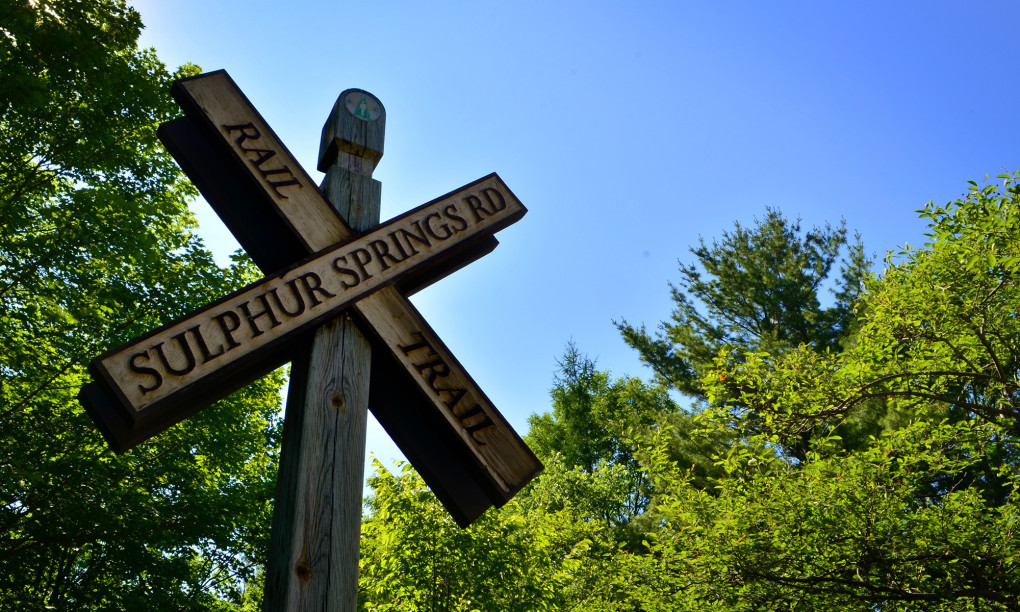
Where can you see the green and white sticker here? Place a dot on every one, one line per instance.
(363, 105)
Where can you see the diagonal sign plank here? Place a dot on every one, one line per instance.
(255, 184)
(152, 373)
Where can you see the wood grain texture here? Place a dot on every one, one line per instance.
(508, 463)
(217, 97)
(316, 533)
(350, 142)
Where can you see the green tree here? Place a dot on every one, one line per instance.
(754, 289)
(96, 248)
(591, 414)
(414, 557)
(919, 514)
(860, 530)
(536, 552)
(923, 516)
(937, 329)
(589, 428)
(589, 441)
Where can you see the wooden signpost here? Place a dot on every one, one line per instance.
(324, 280)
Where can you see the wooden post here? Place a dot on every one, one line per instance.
(314, 547)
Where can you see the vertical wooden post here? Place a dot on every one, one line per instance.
(314, 546)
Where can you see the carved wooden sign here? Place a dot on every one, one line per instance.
(148, 372)
(316, 269)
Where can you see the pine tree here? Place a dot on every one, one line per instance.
(757, 289)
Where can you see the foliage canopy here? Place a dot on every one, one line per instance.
(96, 248)
(858, 452)
(754, 289)
(902, 492)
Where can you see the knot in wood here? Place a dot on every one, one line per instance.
(303, 571)
(338, 402)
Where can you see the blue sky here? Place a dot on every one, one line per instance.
(628, 130)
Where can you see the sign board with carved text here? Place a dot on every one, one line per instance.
(317, 268)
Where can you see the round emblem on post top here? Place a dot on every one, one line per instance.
(363, 105)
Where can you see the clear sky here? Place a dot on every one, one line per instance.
(628, 129)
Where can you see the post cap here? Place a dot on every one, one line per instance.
(356, 126)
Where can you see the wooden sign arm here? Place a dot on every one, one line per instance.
(233, 339)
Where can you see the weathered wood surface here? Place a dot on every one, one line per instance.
(259, 150)
(468, 411)
(315, 541)
(503, 464)
(148, 374)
